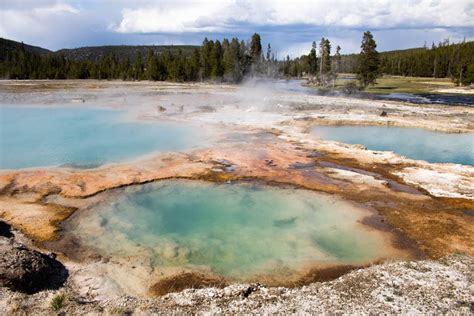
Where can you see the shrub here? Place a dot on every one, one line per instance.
(58, 301)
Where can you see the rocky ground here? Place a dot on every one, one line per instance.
(425, 208)
(442, 286)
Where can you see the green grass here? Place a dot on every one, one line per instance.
(58, 301)
(398, 84)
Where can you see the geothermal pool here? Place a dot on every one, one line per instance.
(414, 143)
(237, 231)
(85, 136)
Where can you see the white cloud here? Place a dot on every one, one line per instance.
(168, 17)
(56, 8)
(17, 22)
(225, 15)
(290, 26)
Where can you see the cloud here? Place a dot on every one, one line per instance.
(57, 8)
(289, 26)
(16, 21)
(225, 15)
(170, 18)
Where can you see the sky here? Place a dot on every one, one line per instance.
(289, 25)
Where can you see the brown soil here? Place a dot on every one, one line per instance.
(185, 280)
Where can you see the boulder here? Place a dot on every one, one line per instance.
(28, 271)
(5, 230)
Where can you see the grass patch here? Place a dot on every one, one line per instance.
(58, 301)
(399, 84)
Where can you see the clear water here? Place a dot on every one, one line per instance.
(427, 98)
(235, 230)
(51, 136)
(414, 143)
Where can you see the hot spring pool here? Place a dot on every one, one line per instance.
(234, 230)
(414, 143)
(84, 136)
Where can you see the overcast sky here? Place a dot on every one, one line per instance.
(290, 26)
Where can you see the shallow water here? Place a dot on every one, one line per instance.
(84, 136)
(427, 98)
(234, 230)
(414, 143)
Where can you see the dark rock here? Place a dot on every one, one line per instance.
(5, 230)
(224, 162)
(302, 165)
(229, 169)
(226, 165)
(161, 108)
(249, 290)
(29, 271)
(270, 163)
(384, 113)
(314, 154)
(207, 109)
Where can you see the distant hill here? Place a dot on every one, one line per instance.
(7, 46)
(95, 53)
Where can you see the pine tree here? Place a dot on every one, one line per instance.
(216, 60)
(206, 57)
(152, 66)
(138, 67)
(327, 57)
(336, 65)
(321, 57)
(255, 48)
(269, 52)
(325, 60)
(125, 69)
(313, 61)
(255, 53)
(196, 65)
(368, 61)
(231, 62)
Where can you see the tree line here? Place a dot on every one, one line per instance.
(445, 60)
(232, 60)
(229, 60)
(322, 68)
(442, 60)
(319, 66)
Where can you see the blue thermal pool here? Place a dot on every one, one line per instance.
(414, 143)
(84, 136)
(233, 230)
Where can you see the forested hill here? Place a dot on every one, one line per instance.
(8, 46)
(227, 60)
(96, 53)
